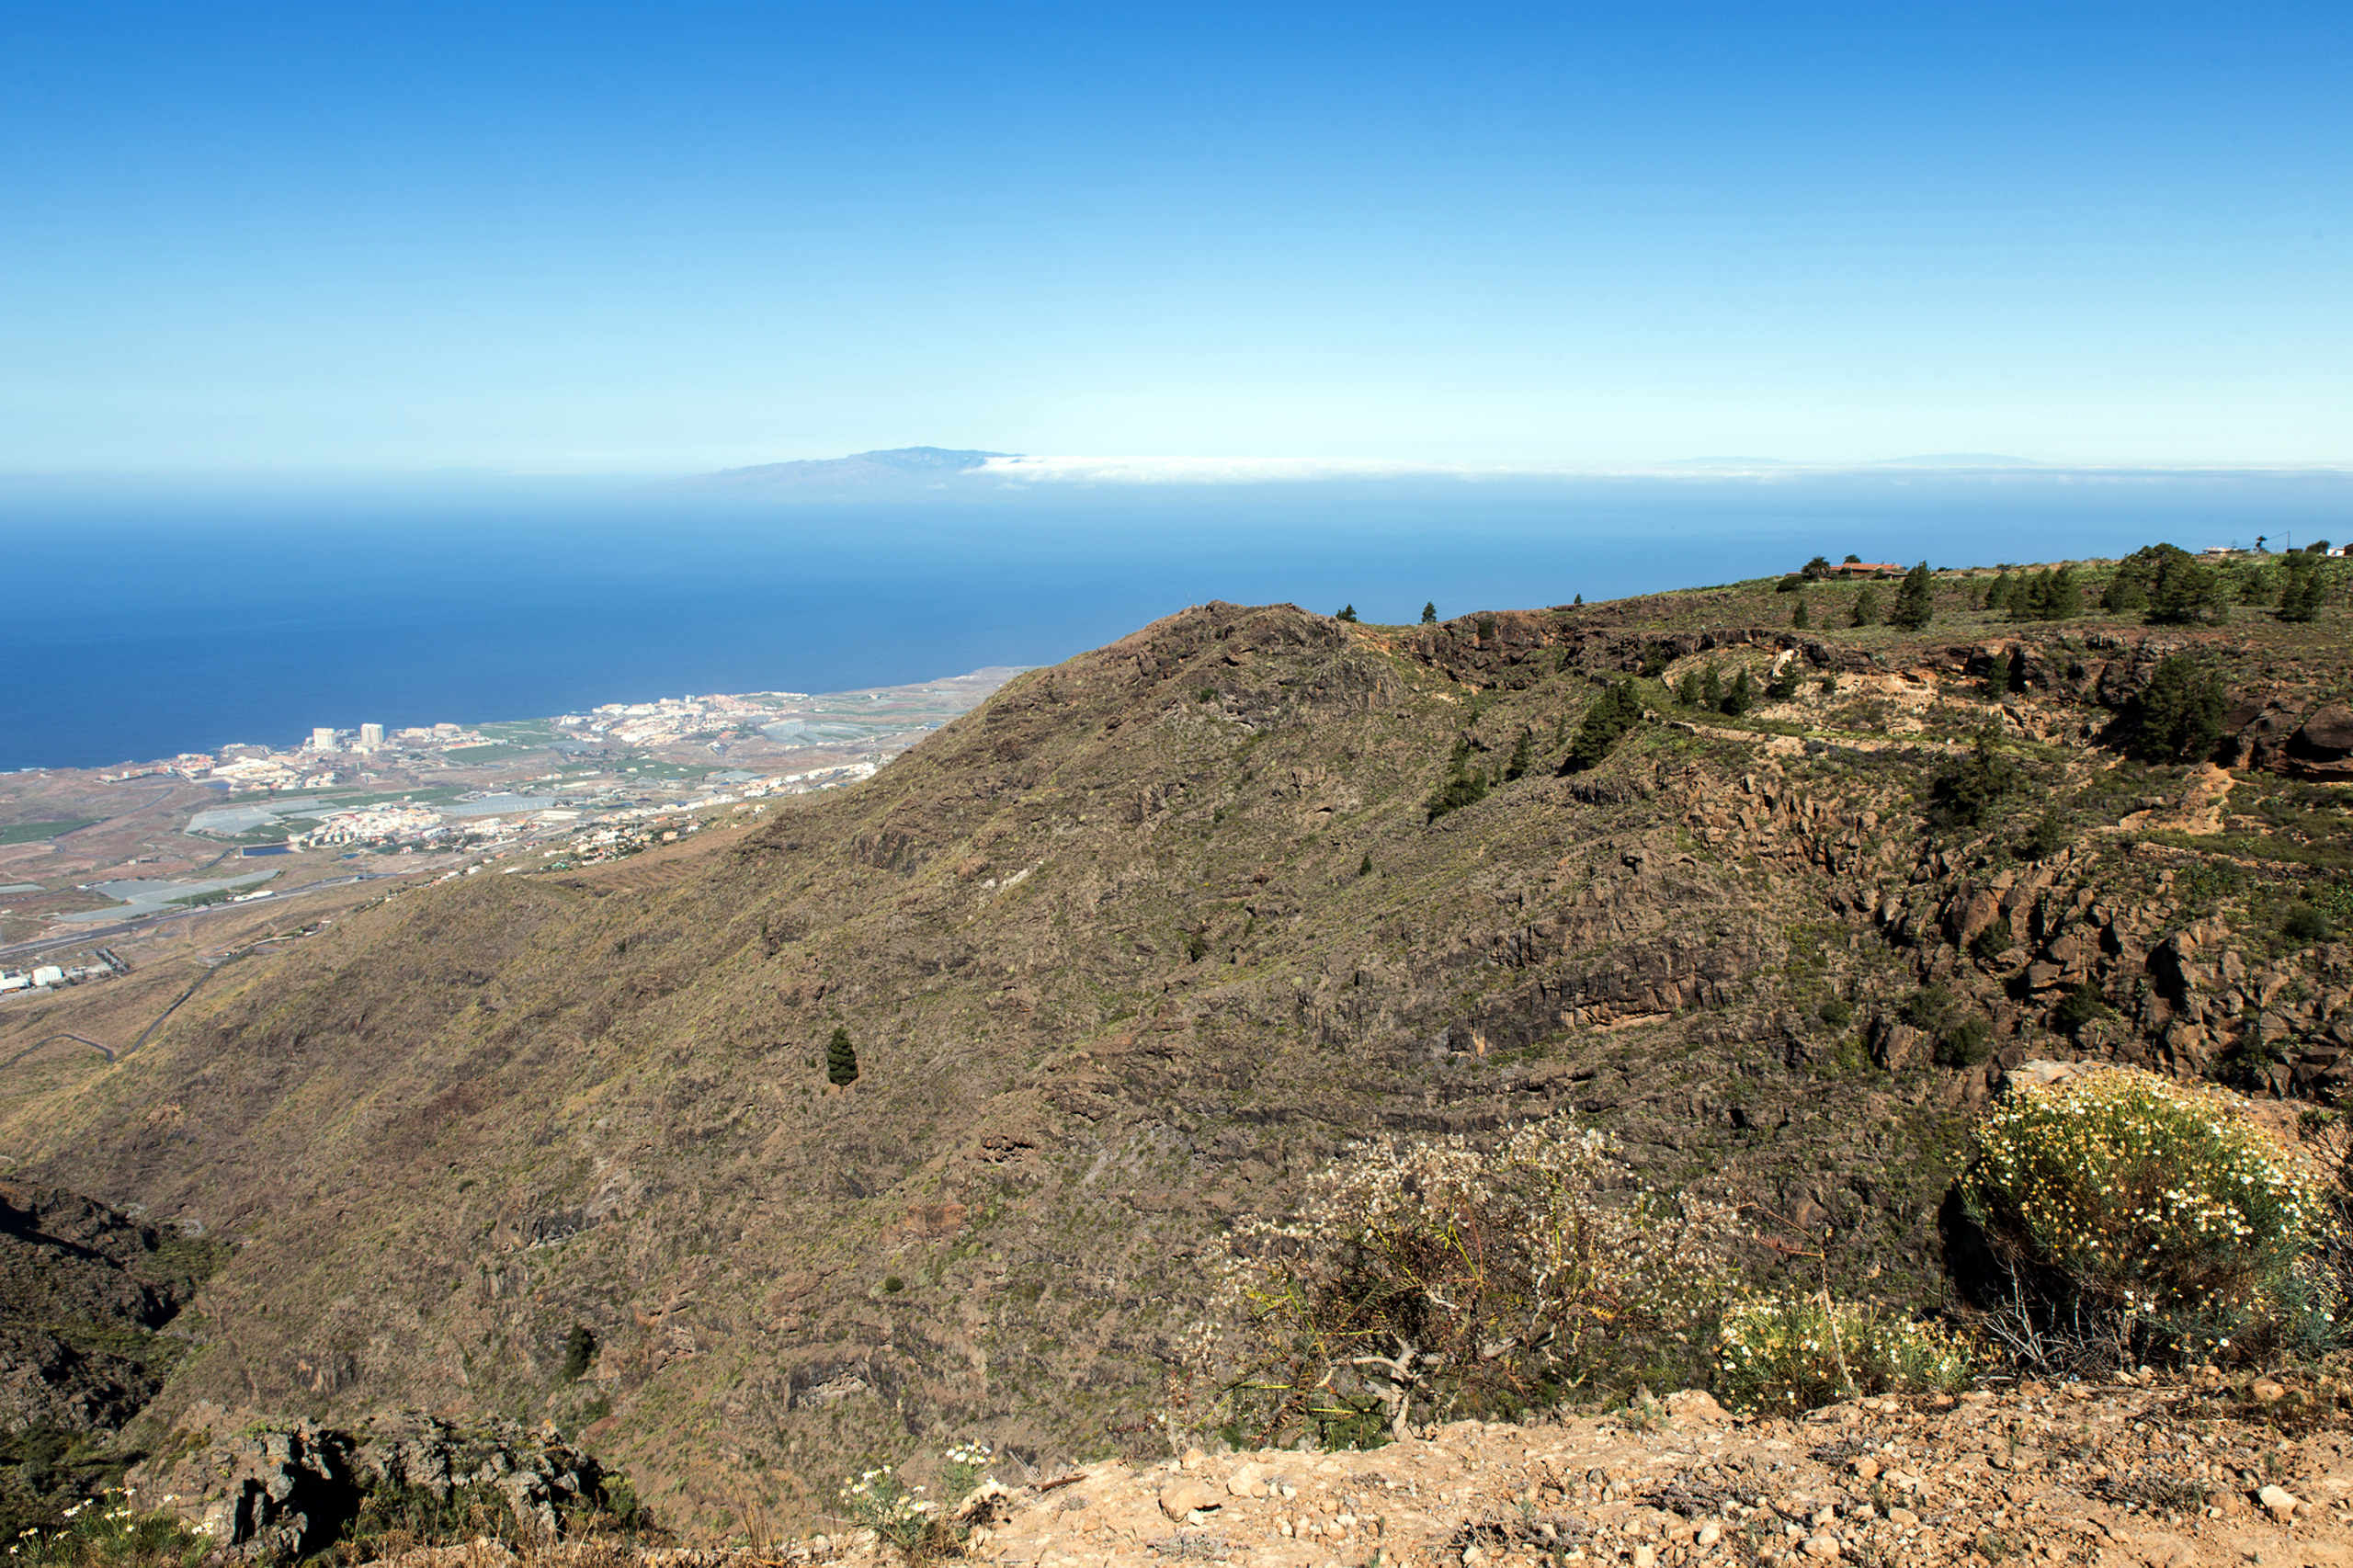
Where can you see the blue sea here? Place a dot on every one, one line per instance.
(141, 621)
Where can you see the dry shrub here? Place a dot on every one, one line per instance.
(1424, 1280)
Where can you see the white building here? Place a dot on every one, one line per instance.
(371, 735)
(323, 738)
(49, 974)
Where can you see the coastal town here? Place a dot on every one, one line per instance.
(90, 857)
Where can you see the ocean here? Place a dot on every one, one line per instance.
(139, 623)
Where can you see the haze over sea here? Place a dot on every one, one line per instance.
(143, 623)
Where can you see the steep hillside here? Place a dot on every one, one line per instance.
(86, 1297)
(1135, 946)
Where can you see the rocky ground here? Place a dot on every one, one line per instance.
(2138, 1471)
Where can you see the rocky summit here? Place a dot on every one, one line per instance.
(913, 1113)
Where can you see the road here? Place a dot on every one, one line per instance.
(90, 933)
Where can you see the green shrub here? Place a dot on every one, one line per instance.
(2149, 1219)
(2305, 924)
(2051, 833)
(1959, 1038)
(1837, 1012)
(1932, 1008)
(1866, 609)
(2078, 1008)
(579, 1350)
(1965, 1044)
(1962, 793)
(1799, 1353)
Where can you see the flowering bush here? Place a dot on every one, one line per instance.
(1436, 1279)
(2151, 1218)
(1798, 1352)
(905, 1515)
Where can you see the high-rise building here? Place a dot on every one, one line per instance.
(323, 738)
(371, 735)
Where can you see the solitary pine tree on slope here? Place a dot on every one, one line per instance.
(841, 1057)
(1915, 601)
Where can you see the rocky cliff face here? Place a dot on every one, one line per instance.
(1144, 940)
(89, 1299)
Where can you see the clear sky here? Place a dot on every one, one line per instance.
(647, 238)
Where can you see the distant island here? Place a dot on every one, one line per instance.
(897, 468)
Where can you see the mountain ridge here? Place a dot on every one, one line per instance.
(1128, 951)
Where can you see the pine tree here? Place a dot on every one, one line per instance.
(1866, 609)
(1740, 696)
(1613, 713)
(1429, 614)
(841, 1057)
(1463, 785)
(1711, 687)
(1915, 601)
(1522, 751)
(2063, 599)
(1579, 599)
(2182, 591)
(1364, 867)
(1800, 618)
(1347, 612)
(2177, 716)
(2303, 587)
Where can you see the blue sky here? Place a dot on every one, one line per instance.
(645, 238)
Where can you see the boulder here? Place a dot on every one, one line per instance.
(1186, 1497)
(2326, 736)
(2321, 747)
(1695, 1404)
